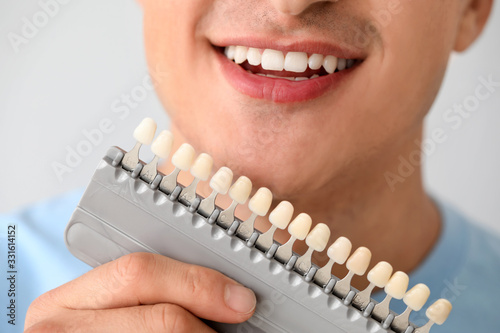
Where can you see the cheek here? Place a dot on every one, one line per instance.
(175, 50)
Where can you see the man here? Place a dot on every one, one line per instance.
(324, 142)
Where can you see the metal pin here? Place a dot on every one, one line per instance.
(415, 299)
(161, 147)
(219, 183)
(182, 160)
(239, 192)
(298, 229)
(437, 313)
(279, 218)
(338, 253)
(316, 240)
(143, 134)
(259, 205)
(395, 288)
(201, 170)
(378, 276)
(357, 264)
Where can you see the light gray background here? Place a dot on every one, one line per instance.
(65, 79)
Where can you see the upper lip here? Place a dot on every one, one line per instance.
(297, 44)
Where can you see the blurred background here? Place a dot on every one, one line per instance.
(61, 84)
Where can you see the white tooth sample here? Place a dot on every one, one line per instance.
(183, 157)
(161, 147)
(220, 183)
(316, 240)
(314, 76)
(281, 215)
(261, 201)
(222, 180)
(259, 205)
(239, 192)
(273, 60)
(300, 226)
(316, 61)
(145, 132)
(301, 78)
(240, 54)
(415, 299)
(298, 229)
(254, 57)
(378, 276)
(182, 160)
(296, 62)
(439, 311)
(342, 64)
(359, 261)
(357, 264)
(202, 166)
(330, 63)
(318, 237)
(338, 253)
(229, 52)
(395, 288)
(279, 218)
(397, 285)
(201, 169)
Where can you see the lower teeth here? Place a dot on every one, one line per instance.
(300, 78)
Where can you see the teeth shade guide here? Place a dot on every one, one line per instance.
(415, 299)
(395, 288)
(220, 184)
(317, 241)
(143, 134)
(357, 264)
(182, 160)
(378, 276)
(437, 313)
(161, 147)
(239, 192)
(279, 218)
(259, 205)
(201, 170)
(338, 253)
(298, 230)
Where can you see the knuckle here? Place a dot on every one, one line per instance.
(203, 283)
(130, 269)
(40, 308)
(196, 279)
(169, 318)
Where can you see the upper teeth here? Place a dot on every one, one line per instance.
(296, 62)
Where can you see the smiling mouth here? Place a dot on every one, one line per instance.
(292, 66)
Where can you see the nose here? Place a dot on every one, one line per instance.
(295, 7)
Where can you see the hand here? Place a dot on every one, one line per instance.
(141, 292)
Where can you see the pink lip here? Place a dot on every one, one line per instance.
(278, 90)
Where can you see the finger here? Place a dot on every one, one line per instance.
(145, 278)
(158, 318)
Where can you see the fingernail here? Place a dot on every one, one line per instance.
(239, 298)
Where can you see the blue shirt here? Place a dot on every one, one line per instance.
(463, 267)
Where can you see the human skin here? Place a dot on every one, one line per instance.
(326, 155)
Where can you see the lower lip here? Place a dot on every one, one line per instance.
(278, 90)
